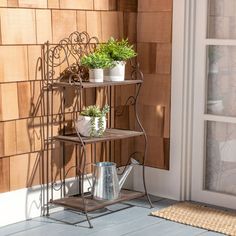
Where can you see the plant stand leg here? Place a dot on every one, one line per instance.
(82, 183)
(87, 218)
(145, 189)
(145, 141)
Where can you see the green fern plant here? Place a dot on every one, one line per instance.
(97, 60)
(118, 50)
(95, 112)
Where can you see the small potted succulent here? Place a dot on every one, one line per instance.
(92, 121)
(119, 52)
(96, 62)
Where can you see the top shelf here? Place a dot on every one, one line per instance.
(95, 85)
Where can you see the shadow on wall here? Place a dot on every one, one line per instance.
(50, 117)
(39, 161)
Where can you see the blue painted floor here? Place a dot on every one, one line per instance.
(131, 218)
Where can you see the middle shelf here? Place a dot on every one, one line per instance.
(110, 134)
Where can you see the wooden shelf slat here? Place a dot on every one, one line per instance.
(76, 202)
(110, 134)
(95, 85)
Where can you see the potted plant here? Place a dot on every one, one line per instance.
(119, 52)
(215, 98)
(96, 62)
(214, 55)
(92, 121)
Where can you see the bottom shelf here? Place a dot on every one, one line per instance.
(76, 202)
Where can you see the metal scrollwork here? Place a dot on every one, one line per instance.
(74, 73)
(66, 56)
(131, 100)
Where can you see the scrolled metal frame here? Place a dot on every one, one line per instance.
(136, 73)
(54, 56)
(74, 47)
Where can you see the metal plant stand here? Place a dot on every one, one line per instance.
(65, 56)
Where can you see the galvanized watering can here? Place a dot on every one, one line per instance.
(106, 184)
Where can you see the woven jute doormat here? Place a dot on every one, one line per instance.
(197, 215)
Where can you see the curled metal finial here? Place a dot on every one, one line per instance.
(136, 73)
(119, 111)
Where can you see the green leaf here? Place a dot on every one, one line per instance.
(97, 60)
(118, 50)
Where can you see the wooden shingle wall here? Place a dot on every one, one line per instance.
(154, 25)
(24, 26)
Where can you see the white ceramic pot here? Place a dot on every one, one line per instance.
(83, 125)
(213, 68)
(96, 75)
(215, 107)
(116, 73)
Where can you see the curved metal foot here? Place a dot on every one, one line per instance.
(90, 225)
(145, 189)
(149, 200)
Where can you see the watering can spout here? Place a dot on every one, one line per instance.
(127, 171)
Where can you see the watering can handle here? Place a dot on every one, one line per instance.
(133, 161)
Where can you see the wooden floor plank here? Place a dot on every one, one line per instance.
(129, 227)
(51, 229)
(20, 227)
(210, 233)
(142, 202)
(169, 228)
(117, 220)
(119, 217)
